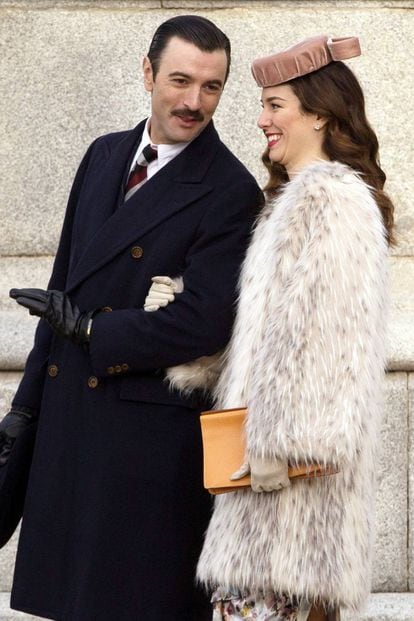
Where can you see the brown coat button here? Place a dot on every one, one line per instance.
(110, 370)
(93, 381)
(53, 370)
(107, 309)
(137, 252)
(125, 366)
(118, 368)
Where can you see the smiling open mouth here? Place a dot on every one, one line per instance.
(273, 139)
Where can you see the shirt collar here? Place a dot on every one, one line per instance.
(166, 152)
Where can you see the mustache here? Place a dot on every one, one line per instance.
(194, 114)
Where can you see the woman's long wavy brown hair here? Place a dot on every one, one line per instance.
(334, 93)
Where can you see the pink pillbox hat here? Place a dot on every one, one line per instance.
(305, 57)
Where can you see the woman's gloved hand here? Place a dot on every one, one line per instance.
(162, 292)
(266, 475)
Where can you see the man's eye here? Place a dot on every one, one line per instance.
(213, 88)
(180, 81)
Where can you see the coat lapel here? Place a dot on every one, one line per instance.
(101, 193)
(176, 185)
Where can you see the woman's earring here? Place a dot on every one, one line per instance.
(317, 127)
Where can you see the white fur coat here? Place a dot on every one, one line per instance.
(307, 358)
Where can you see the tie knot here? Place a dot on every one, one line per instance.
(149, 153)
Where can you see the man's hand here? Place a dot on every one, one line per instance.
(162, 292)
(12, 425)
(267, 475)
(55, 306)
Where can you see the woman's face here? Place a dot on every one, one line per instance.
(293, 137)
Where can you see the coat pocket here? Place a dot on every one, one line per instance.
(154, 389)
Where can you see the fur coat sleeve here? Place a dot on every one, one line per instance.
(307, 352)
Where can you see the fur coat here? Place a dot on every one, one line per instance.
(307, 358)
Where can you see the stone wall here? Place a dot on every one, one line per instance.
(71, 70)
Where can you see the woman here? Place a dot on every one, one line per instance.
(307, 352)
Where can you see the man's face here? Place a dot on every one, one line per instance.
(185, 91)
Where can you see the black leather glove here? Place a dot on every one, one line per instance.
(55, 306)
(12, 425)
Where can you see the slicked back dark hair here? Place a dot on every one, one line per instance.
(192, 28)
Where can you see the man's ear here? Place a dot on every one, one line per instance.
(147, 74)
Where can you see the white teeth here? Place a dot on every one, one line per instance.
(273, 137)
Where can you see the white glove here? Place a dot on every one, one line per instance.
(267, 475)
(161, 292)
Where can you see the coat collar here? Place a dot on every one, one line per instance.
(177, 184)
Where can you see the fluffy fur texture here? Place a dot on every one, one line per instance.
(307, 358)
(202, 373)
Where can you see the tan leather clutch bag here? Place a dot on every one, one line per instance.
(224, 452)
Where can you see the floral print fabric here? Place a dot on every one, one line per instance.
(233, 606)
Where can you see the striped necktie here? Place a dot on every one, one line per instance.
(138, 175)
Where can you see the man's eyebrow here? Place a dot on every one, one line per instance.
(181, 74)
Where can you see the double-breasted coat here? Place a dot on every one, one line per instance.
(115, 510)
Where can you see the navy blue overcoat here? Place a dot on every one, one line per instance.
(115, 509)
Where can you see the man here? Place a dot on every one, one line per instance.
(115, 510)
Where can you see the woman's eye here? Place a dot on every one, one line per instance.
(275, 106)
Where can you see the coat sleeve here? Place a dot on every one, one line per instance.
(30, 390)
(316, 381)
(200, 320)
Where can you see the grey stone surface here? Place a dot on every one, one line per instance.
(410, 441)
(401, 323)
(16, 333)
(7, 558)
(390, 552)
(205, 4)
(69, 75)
(21, 272)
(386, 607)
(289, 4)
(16, 325)
(82, 4)
(9, 381)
